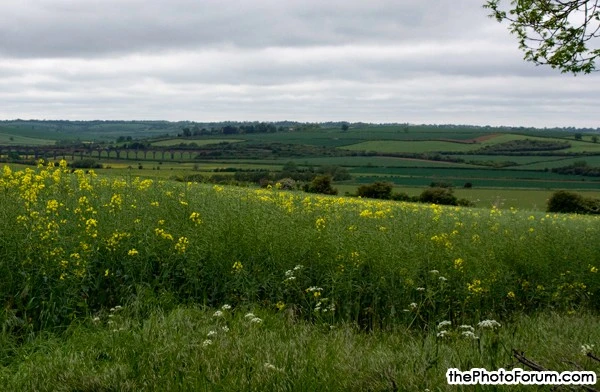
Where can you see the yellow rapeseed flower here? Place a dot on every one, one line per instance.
(195, 217)
(237, 266)
(181, 245)
(458, 264)
(320, 223)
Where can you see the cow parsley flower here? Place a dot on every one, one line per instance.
(469, 335)
(586, 348)
(489, 324)
(444, 324)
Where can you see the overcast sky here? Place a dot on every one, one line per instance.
(381, 61)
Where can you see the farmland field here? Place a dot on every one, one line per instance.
(121, 265)
(9, 139)
(199, 142)
(143, 275)
(410, 146)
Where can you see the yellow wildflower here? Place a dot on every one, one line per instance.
(237, 266)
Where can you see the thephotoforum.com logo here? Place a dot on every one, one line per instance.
(518, 376)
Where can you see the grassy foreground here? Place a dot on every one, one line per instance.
(347, 294)
(189, 349)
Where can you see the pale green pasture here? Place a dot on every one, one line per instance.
(8, 139)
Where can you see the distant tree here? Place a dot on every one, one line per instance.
(86, 164)
(578, 136)
(321, 184)
(230, 130)
(440, 184)
(558, 33)
(569, 202)
(338, 173)
(345, 126)
(595, 139)
(438, 195)
(187, 132)
(376, 190)
(287, 184)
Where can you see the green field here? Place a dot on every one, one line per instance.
(199, 142)
(11, 139)
(369, 152)
(121, 283)
(391, 146)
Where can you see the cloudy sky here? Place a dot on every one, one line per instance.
(381, 61)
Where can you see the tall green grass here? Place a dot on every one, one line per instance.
(74, 244)
(191, 349)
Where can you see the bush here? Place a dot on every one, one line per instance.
(85, 164)
(321, 184)
(401, 196)
(438, 195)
(376, 190)
(569, 202)
(465, 203)
(287, 184)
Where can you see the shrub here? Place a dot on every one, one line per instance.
(85, 164)
(465, 203)
(569, 202)
(321, 184)
(287, 184)
(438, 195)
(376, 190)
(401, 196)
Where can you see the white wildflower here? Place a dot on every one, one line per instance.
(207, 342)
(467, 327)
(249, 316)
(218, 313)
(491, 324)
(420, 288)
(435, 272)
(413, 305)
(210, 334)
(256, 320)
(586, 348)
(225, 328)
(442, 334)
(298, 267)
(226, 307)
(289, 273)
(469, 335)
(269, 366)
(442, 279)
(444, 324)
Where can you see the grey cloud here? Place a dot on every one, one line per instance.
(307, 60)
(34, 28)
